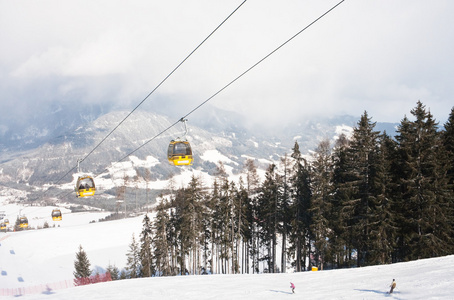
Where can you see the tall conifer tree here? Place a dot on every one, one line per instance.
(268, 216)
(341, 241)
(133, 259)
(362, 168)
(146, 257)
(448, 143)
(81, 266)
(301, 199)
(426, 229)
(161, 245)
(321, 183)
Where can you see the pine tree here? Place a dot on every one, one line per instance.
(252, 186)
(321, 183)
(285, 213)
(244, 222)
(181, 221)
(82, 267)
(341, 241)
(161, 243)
(189, 210)
(213, 205)
(362, 164)
(145, 254)
(196, 211)
(301, 199)
(425, 230)
(123, 274)
(224, 221)
(382, 232)
(114, 272)
(448, 143)
(133, 259)
(268, 215)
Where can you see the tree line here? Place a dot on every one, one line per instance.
(367, 199)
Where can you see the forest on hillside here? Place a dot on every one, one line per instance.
(368, 199)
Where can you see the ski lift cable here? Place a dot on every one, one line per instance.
(165, 78)
(149, 94)
(223, 88)
(233, 81)
(264, 58)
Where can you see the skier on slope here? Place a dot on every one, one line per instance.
(392, 286)
(292, 286)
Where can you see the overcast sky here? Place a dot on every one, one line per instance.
(381, 56)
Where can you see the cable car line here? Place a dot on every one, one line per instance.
(265, 57)
(170, 74)
(215, 94)
(230, 83)
(149, 94)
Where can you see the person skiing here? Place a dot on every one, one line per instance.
(392, 286)
(292, 286)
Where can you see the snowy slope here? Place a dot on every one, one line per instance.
(38, 257)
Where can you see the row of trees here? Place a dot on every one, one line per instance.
(370, 199)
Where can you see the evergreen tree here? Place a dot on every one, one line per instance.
(224, 222)
(133, 259)
(114, 272)
(285, 213)
(301, 199)
(145, 254)
(81, 266)
(213, 205)
(321, 183)
(123, 274)
(362, 165)
(244, 222)
(341, 241)
(425, 229)
(188, 225)
(196, 209)
(448, 143)
(181, 222)
(252, 186)
(382, 233)
(172, 238)
(268, 215)
(161, 243)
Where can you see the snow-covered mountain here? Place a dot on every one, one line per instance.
(137, 150)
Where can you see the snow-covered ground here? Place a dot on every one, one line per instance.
(37, 258)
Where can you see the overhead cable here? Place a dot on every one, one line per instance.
(149, 94)
(234, 80)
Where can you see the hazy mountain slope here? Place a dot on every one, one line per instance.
(221, 134)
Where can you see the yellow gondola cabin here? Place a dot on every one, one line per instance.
(23, 222)
(56, 215)
(179, 153)
(85, 186)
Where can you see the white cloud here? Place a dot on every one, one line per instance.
(380, 55)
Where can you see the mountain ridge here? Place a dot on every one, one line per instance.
(143, 136)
